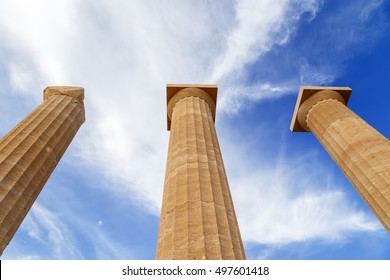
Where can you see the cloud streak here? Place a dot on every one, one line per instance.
(53, 224)
(282, 202)
(124, 52)
(281, 199)
(254, 35)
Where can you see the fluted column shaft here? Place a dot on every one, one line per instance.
(30, 152)
(198, 220)
(361, 152)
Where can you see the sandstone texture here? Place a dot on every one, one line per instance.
(30, 152)
(361, 152)
(198, 220)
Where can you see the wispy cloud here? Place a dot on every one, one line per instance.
(238, 97)
(316, 57)
(124, 52)
(64, 229)
(317, 74)
(284, 199)
(284, 207)
(323, 60)
(260, 26)
(47, 227)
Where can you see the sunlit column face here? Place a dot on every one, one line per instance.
(30, 152)
(361, 152)
(197, 218)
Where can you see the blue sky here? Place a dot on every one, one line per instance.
(104, 198)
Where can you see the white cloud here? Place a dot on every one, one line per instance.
(352, 28)
(236, 98)
(67, 232)
(123, 53)
(260, 25)
(20, 78)
(46, 227)
(283, 199)
(43, 30)
(317, 75)
(278, 212)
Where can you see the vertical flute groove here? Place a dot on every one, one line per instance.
(204, 193)
(361, 152)
(30, 152)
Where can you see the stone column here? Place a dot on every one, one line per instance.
(361, 152)
(30, 152)
(198, 220)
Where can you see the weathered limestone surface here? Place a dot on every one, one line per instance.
(361, 152)
(30, 152)
(198, 220)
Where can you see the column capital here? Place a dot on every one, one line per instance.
(309, 96)
(75, 93)
(176, 92)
